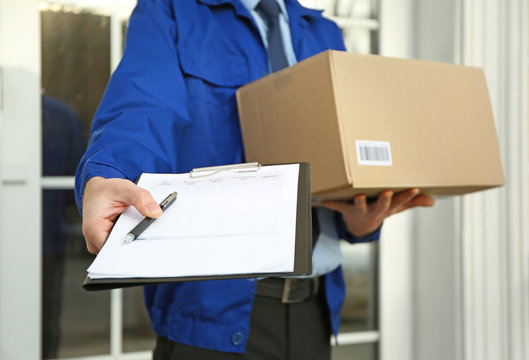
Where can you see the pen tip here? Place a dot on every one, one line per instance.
(128, 238)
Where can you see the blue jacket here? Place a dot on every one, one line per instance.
(169, 107)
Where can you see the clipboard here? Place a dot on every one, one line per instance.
(303, 237)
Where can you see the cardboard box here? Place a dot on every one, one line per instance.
(368, 123)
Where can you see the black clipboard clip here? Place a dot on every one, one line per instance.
(237, 168)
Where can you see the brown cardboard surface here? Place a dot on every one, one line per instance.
(436, 118)
(282, 122)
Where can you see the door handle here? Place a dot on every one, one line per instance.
(13, 174)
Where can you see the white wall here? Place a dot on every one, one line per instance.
(435, 266)
(396, 305)
(20, 204)
(471, 278)
(436, 230)
(433, 30)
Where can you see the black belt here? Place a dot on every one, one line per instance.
(288, 290)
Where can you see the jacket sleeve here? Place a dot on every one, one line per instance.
(143, 113)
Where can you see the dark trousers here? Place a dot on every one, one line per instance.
(297, 331)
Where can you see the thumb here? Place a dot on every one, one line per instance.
(142, 200)
(145, 203)
(153, 210)
(104, 199)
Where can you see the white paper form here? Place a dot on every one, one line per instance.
(225, 223)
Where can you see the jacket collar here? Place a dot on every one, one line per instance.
(240, 9)
(294, 8)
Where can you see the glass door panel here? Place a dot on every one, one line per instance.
(75, 69)
(137, 332)
(359, 312)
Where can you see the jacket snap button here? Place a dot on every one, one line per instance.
(237, 338)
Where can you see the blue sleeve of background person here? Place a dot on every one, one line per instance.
(142, 115)
(62, 147)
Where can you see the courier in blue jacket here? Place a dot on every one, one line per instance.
(169, 107)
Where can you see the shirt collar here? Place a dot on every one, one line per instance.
(251, 4)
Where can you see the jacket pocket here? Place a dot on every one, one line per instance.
(212, 78)
(216, 69)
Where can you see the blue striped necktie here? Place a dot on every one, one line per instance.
(269, 10)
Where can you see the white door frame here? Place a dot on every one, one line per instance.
(396, 305)
(20, 169)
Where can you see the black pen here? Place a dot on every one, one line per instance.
(145, 223)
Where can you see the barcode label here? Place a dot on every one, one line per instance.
(377, 153)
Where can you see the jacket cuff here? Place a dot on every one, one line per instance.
(89, 171)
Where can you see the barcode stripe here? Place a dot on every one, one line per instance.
(374, 153)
